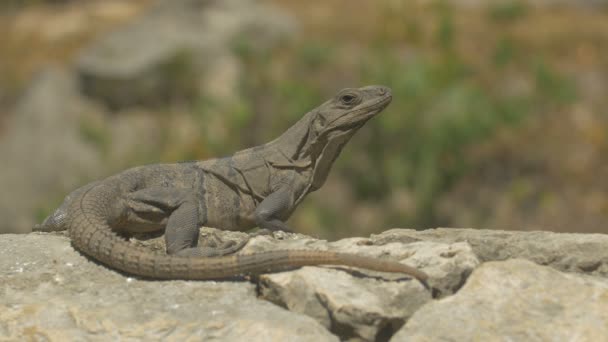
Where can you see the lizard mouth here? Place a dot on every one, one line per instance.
(377, 106)
(359, 116)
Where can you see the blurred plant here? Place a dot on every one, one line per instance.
(506, 11)
(552, 85)
(96, 134)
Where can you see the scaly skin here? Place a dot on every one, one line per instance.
(260, 186)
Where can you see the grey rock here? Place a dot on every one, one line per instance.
(374, 305)
(50, 292)
(365, 308)
(167, 54)
(515, 300)
(447, 264)
(579, 253)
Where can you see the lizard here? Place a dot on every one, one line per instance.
(256, 187)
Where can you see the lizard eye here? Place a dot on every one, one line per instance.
(349, 99)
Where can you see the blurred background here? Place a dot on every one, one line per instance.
(498, 121)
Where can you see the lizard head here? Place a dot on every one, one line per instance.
(332, 124)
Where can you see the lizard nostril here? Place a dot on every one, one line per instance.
(383, 91)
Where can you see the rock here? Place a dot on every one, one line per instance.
(579, 253)
(370, 306)
(176, 48)
(354, 304)
(50, 292)
(515, 300)
(364, 307)
(448, 265)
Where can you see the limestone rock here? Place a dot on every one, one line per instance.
(447, 264)
(359, 304)
(515, 300)
(362, 307)
(579, 253)
(50, 292)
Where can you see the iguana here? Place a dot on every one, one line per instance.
(259, 186)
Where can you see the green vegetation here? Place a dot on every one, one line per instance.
(506, 11)
(95, 134)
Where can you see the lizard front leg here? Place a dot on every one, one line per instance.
(274, 209)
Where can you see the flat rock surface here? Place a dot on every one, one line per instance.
(578, 253)
(515, 300)
(50, 292)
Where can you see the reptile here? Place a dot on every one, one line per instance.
(256, 187)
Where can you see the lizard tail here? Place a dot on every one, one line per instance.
(275, 261)
(92, 235)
